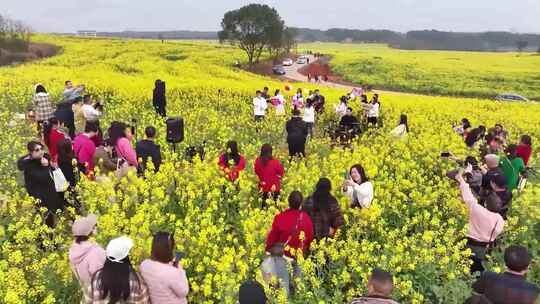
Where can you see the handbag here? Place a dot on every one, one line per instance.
(60, 182)
(480, 252)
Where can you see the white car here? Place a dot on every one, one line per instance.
(511, 97)
(288, 62)
(301, 60)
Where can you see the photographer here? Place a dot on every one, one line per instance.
(485, 223)
(473, 174)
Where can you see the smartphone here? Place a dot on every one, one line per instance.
(178, 256)
(445, 154)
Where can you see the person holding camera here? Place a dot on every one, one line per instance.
(71, 92)
(473, 173)
(490, 169)
(485, 223)
(163, 273)
(358, 187)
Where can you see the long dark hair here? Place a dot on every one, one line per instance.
(465, 123)
(65, 151)
(277, 92)
(475, 135)
(113, 280)
(266, 154)
(117, 131)
(40, 89)
(162, 247)
(403, 121)
(232, 152)
(511, 151)
(47, 128)
(361, 171)
(322, 195)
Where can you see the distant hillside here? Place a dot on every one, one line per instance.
(161, 35)
(413, 40)
(427, 39)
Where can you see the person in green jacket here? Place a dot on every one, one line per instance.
(512, 166)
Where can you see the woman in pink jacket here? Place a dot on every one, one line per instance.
(120, 136)
(165, 277)
(85, 257)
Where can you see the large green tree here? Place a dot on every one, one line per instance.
(252, 28)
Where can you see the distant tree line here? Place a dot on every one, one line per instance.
(427, 39)
(14, 34)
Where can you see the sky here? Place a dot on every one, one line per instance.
(205, 15)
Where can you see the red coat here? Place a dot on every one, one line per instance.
(269, 175)
(524, 151)
(54, 137)
(287, 227)
(233, 172)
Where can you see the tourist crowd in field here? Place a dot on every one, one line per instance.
(77, 145)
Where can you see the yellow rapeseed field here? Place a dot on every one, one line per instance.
(414, 228)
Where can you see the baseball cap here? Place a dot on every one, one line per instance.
(500, 180)
(118, 249)
(84, 225)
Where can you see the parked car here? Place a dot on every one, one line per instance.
(288, 62)
(511, 97)
(278, 70)
(302, 60)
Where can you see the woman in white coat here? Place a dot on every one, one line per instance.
(402, 129)
(358, 187)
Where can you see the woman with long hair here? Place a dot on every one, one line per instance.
(231, 161)
(119, 134)
(42, 105)
(324, 210)
(52, 135)
(165, 277)
(270, 171)
(374, 111)
(117, 281)
(159, 99)
(402, 128)
(358, 187)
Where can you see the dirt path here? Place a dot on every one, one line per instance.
(292, 73)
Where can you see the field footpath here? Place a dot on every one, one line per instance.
(293, 73)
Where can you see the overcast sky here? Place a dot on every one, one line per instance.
(400, 15)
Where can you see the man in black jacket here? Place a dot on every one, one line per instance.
(147, 148)
(509, 287)
(297, 131)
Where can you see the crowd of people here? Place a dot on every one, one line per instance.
(71, 132)
(77, 145)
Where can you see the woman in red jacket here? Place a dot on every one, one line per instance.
(231, 162)
(292, 227)
(52, 135)
(524, 150)
(270, 171)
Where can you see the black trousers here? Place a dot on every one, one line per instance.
(297, 148)
(266, 196)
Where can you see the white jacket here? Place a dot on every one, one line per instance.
(374, 110)
(399, 131)
(259, 106)
(362, 192)
(309, 114)
(90, 113)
